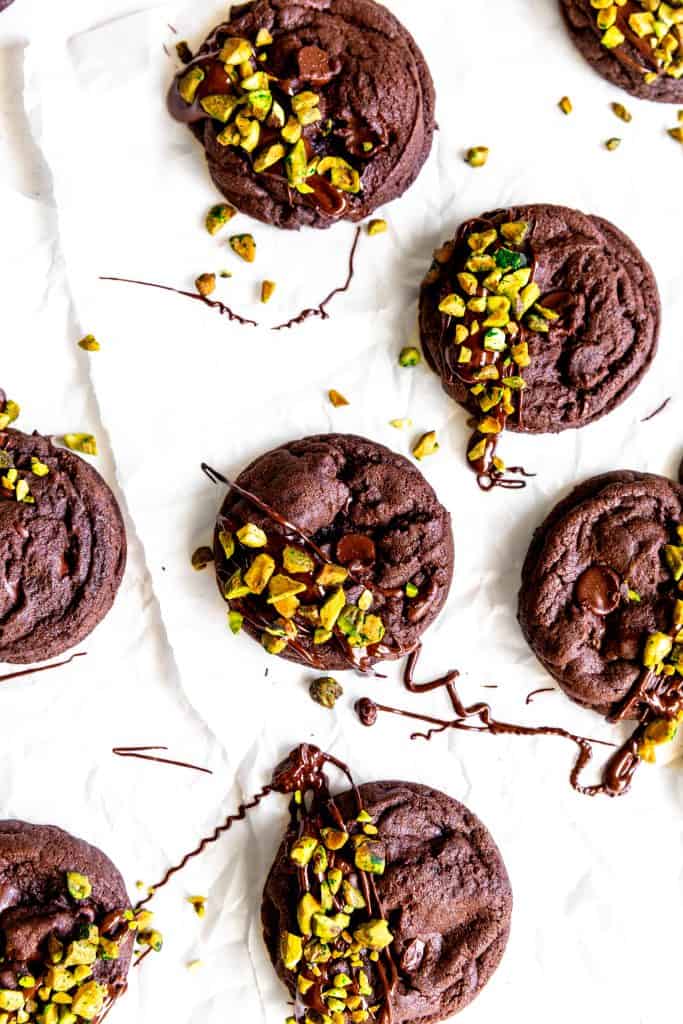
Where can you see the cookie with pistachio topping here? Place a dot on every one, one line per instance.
(636, 45)
(65, 927)
(62, 548)
(408, 903)
(345, 562)
(601, 603)
(537, 319)
(4, 4)
(309, 113)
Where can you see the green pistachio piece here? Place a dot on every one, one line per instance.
(372, 630)
(296, 164)
(352, 897)
(259, 572)
(495, 340)
(220, 107)
(260, 103)
(218, 216)
(39, 468)
(409, 356)
(330, 575)
(374, 934)
(291, 950)
(477, 156)
(281, 586)
(342, 175)
(244, 246)
(321, 636)
(291, 132)
(235, 588)
(273, 644)
(479, 241)
(252, 536)
(331, 609)
(326, 928)
(334, 839)
(453, 305)
(302, 850)
(80, 952)
(268, 157)
(480, 264)
(657, 647)
(319, 861)
(59, 979)
(325, 691)
(508, 259)
(537, 324)
(236, 51)
(78, 885)
(88, 1002)
(296, 560)
(84, 443)
(335, 878)
(304, 101)
(189, 83)
(205, 284)
(89, 343)
(674, 560)
(411, 590)
(227, 542)
(308, 906)
(370, 856)
(515, 231)
(11, 1000)
(316, 952)
(426, 445)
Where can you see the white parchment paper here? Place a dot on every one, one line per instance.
(97, 180)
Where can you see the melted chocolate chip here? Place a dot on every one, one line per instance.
(366, 710)
(315, 65)
(356, 549)
(598, 589)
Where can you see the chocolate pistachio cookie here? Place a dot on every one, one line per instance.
(537, 319)
(635, 44)
(334, 552)
(65, 927)
(395, 898)
(4, 4)
(62, 548)
(601, 603)
(309, 112)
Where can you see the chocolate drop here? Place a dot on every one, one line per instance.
(598, 589)
(357, 549)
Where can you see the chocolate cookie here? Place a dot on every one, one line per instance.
(599, 580)
(537, 319)
(62, 924)
(309, 112)
(442, 890)
(348, 562)
(636, 45)
(4, 4)
(62, 548)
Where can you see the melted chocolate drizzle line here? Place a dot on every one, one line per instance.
(534, 693)
(207, 841)
(139, 753)
(321, 309)
(211, 303)
(660, 408)
(42, 668)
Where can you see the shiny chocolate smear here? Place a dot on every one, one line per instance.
(598, 589)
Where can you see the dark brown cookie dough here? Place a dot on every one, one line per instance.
(5, 3)
(374, 95)
(632, 65)
(604, 540)
(445, 893)
(594, 355)
(37, 908)
(370, 511)
(62, 555)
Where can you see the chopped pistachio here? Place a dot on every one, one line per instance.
(88, 1001)
(330, 575)
(205, 284)
(78, 885)
(621, 112)
(259, 573)
(291, 131)
(612, 38)
(189, 83)
(202, 557)
(267, 290)
(325, 691)
(308, 906)
(427, 445)
(273, 644)
(657, 647)
(89, 343)
(227, 542)
(296, 560)
(515, 231)
(220, 108)
(11, 1000)
(218, 216)
(342, 175)
(331, 609)
(263, 37)
(235, 588)
(334, 839)
(370, 856)
(409, 356)
(252, 536)
(479, 241)
(84, 443)
(477, 156)
(401, 423)
(377, 227)
(235, 621)
(374, 934)
(244, 246)
(453, 305)
(268, 157)
(39, 468)
(337, 399)
(282, 586)
(633, 595)
(566, 105)
(674, 560)
(612, 144)
(291, 950)
(236, 51)
(676, 133)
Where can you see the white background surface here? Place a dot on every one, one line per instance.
(95, 179)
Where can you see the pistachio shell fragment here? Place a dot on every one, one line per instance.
(244, 246)
(84, 443)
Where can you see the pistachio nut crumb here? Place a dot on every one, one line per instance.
(566, 105)
(401, 423)
(477, 156)
(427, 445)
(325, 691)
(244, 246)
(267, 290)
(409, 356)
(198, 904)
(337, 399)
(205, 284)
(84, 443)
(612, 144)
(89, 343)
(194, 965)
(621, 112)
(676, 133)
(377, 227)
(218, 216)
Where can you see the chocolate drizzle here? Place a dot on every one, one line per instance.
(660, 408)
(544, 689)
(321, 309)
(617, 773)
(41, 668)
(211, 303)
(141, 753)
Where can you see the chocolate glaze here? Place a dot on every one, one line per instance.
(140, 754)
(598, 589)
(617, 773)
(43, 668)
(534, 693)
(321, 309)
(212, 303)
(660, 408)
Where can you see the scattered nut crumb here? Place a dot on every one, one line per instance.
(400, 424)
(267, 290)
(566, 105)
(427, 445)
(337, 399)
(409, 356)
(244, 246)
(477, 156)
(89, 343)
(84, 443)
(621, 112)
(612, 144)
(205, 284)
(377, 227)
